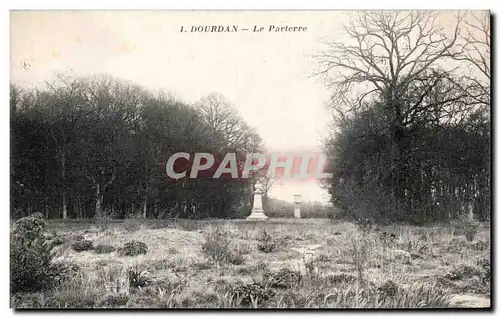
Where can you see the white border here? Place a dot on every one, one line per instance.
(187, 5)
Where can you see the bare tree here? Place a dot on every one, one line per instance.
(389, 54)
(401, 62)
(475, 50)
(227, 123)
(267, 183)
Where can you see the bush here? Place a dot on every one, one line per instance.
(389, 288)
(463, 272)
(55, 240)
(266, 247)
(485, 266)
(266, 243)
(30, 255)
(58, 241)
(217, 247)
(284, 278)
(133, 248)
(83, 245)
(138, 278)
(341, 278)
(247, 294)
(104, 249)
(62, 271)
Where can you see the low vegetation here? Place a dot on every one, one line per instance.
(222, 266)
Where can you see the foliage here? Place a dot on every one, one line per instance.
(463, 272)
(90, 147)
(248, 294)
(138, 278)
(82, 245)
(62, 271)
(133, 248)
(411, 138)
(104, 249)
(266, 242)
(30, 256)
(283, 278)
(217, 246)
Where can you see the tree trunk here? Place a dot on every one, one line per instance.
(64, 205)
(63, 175)
(145, 206)
(471, 211)
(98, 201)
(79, 208)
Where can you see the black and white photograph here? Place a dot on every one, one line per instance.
(239, 159)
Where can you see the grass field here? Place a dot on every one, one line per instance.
(279, 263)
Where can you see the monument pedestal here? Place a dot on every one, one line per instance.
(257, 210)
(296, 201)
(296, 211)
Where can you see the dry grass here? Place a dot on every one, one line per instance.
(191, 264)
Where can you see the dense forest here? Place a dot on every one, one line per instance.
(411, 134)
(84, 147)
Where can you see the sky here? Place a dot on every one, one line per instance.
(265, 75)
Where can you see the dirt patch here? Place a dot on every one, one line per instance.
(469, 301)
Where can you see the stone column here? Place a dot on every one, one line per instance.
(296, 200)
(257, 209)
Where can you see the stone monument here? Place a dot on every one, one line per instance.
(296, 201)
(257, 209)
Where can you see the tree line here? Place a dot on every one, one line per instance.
(410, 137)
(84, 147)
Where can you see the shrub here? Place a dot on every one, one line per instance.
(83, 245)
(389, 288)
(341, 278)
(463, 272)
(30, 255)
(217, 247)
(104, 249)
(56, 241)
(247, 294)
(133, 248)
(266, 243)
(485, 266)
(481, 245)
(266, 247)
(138, 278)
(284, 278)
(62, 271)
